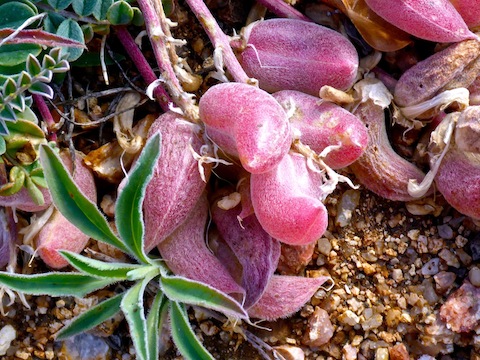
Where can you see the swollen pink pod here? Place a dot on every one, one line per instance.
(287, 201)
(176, 184)
(469, 10)
(248, 123)
(321, 124)
(430, 20)
(288, 54)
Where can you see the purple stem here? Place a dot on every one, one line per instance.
(142, 65)
(154, 16)
(46, 116)
(219, 40)
(282, 9)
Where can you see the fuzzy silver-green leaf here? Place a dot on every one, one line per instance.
(91, 318)
(183, 336)
(72, 203)
(128, 209)
(192, 292)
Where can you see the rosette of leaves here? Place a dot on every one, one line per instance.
(20, 133)
(171, 293)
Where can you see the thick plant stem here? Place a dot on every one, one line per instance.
(282, 9)
(219, 40)
(154, 19)
(143, 66)
(46, 116)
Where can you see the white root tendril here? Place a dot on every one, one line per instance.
(442, 136)
(151, 88)
(139, 37)
(219, 74)
(315, 163)
(205, 158)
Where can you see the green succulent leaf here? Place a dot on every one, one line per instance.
(133, 309)
(72, 30)
(84, 8)
(91, 318)
(59, 4)
(128, 208)
(18, 104)
(3, 127)
(155, 317)
(15, 54)
(99, 268)
(52, 21)
(9, 87)
(7, 113)
(70, 201)
(42, 89)
(34, 192)
(14, 13)
(54, 283)
(138, 19)
(16, 179)
(33, 65)
(120, 13)
(3, 145)
(24, 79)
(192, 292)
(183, 336)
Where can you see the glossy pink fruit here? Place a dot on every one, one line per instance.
(248, 123)
(176, 184)
(426, 19)
(287, 201)
(58, 233)
(322, 124)
(287, 54)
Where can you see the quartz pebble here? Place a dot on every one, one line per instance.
(289, 352)
(399, 352)
(319, 329)
(86, 347)
(444, 281)
(7, 335)
(449, 258)
(324, 246)
(349, 352)
(445, 231)
(461, 311)
(381, 354)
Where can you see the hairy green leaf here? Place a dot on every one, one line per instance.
(120, 13)
(59, 4)
(183, 336)
(14, 54)
(99, 268)
(70, 29)
(70, 201)
(101, 8)
(54, 283)
(91, 318)
(192, 292)
(14, 13)
(84, 8)
(128, 209)
(132, 307)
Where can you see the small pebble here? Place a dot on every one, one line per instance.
(381, 354)
(474, 276)
(7, 335)
(399, 352)
(431, 267)
(475, 248)
(349, 352)
(444, 281)
(290, 352)
(324, 246)
(319, 328)
(449, 257)
(445, 231)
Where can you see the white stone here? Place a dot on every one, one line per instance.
(7, 335)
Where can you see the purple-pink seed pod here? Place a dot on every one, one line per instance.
(429, 20)
(288, 54)
(321, 124)
(248, 123)
(469, 10)
(176, 184)
(186, 254)
(287, 201)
